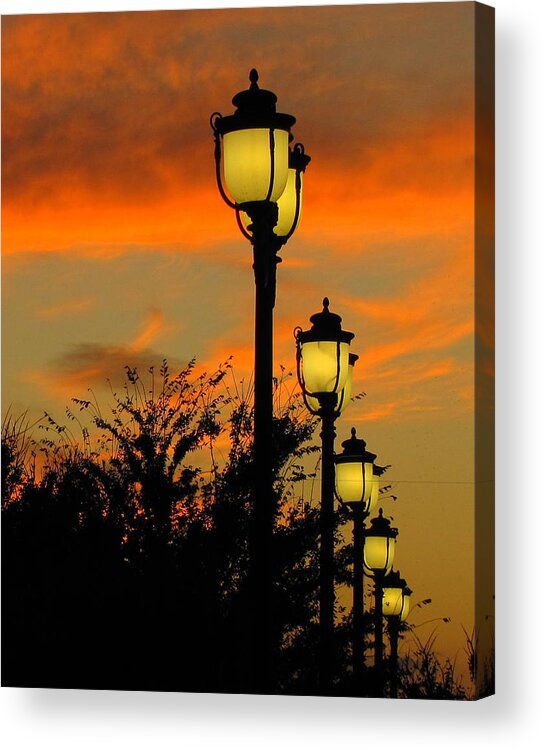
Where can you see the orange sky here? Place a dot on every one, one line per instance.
(117, 248)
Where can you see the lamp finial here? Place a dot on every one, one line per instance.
(325, 304)
(253, 77)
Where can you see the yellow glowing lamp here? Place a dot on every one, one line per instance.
(345, 395)
(374, 491)
(354, 473)
(323, 357)
(290, 201)
(255, 163)
(406, 600)
(393, 594)
(380, 542)
(254, 143)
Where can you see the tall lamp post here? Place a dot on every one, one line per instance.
(324, 370)
(260, 176)
(396, 606)
(357, 487)
(379, 554)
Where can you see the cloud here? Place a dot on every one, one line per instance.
(106, 139)
(89, 365)
(70, 307)
(153, 326)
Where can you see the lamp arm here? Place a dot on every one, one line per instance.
(300, 376)
(217, 155)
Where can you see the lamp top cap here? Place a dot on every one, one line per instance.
(355, 446)
(393, 580)
(325, 320)
(255, 108)
(381, 526)
(255, 102)
(326, 326)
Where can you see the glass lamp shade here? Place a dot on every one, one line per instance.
(406, 599)
(248, 157)
(379, 554)
(374, 493)
(324, 366)
(345, 396)
(288, 220)
(287, 208)
(392, 600)
(354, 480)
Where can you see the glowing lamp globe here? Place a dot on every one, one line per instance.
(380, 541)
(323, 356)
(345, 395)
(255, 146)
(374, 492)
(290, 201)
(406, 600)
(354, 472)
(393, 594)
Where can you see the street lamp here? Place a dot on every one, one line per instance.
(396, 605)
(323, 369)
(379, 554)
(357, 486)
(260, 177)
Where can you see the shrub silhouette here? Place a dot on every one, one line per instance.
(126, 559)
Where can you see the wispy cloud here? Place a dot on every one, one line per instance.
(68, 307)
(89, 364)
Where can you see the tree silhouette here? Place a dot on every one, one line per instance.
(125, 561)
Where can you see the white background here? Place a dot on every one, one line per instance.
(82, 719)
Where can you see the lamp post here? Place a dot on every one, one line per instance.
(357, 486)
(396, 605)
(260, 177)
(324, 370)
(379, 554)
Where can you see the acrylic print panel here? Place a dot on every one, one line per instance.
(171, 515)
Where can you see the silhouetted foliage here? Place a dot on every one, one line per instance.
(125, 561)
(423, 675)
